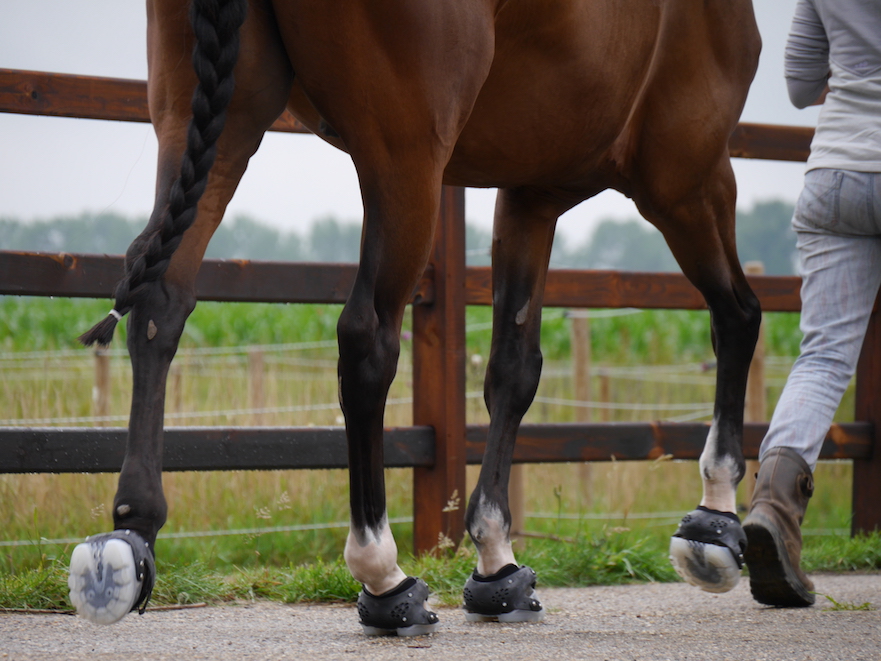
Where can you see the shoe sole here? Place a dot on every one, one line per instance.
(772, 579)
(513, 616)
(403, 632)
(103, 581)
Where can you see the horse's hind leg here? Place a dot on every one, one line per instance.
(707, 549)
(523, 234)
(113, 573)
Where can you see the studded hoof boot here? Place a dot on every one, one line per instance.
(784, 486)
(400, 611)
(507, 596)
(111, 575)
(707, 549)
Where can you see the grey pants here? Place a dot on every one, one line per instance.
(838, 223)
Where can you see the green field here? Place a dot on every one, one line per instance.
(648, 365)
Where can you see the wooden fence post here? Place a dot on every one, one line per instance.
(517, 504)
(581, 357)
(756, 406)
(867, 472)
(439, 383)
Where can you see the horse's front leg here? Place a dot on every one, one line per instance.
(707, 549)
(500, 589)
(401, 214)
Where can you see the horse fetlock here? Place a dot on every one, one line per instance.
(490, 532)
(721, 472)
(372, 559)
(146, 521)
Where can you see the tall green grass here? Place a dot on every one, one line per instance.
(56, 382)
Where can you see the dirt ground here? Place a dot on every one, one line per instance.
(655, 621)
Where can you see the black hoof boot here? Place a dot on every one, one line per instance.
(111, 575)
(707, 549)
(508, 596)
(401, 611)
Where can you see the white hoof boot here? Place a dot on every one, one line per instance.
(108, 576)
(707, 549)
(707, 566)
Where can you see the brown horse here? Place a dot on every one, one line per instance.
(550, 102)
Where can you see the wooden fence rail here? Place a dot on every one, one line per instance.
(440, 444)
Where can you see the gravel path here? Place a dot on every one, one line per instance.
(657, 621)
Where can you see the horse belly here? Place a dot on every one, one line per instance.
(563, 84)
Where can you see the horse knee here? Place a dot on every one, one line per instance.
(368, 355)
(356, 331)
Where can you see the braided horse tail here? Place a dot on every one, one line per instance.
(216, 25)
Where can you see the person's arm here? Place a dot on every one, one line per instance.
(807, 57)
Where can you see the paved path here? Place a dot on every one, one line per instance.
(658, 621)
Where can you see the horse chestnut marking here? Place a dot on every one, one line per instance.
(122, 510)
(151, 330)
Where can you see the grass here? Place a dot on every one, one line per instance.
(614, 557)
(620, 518)
(847, 605)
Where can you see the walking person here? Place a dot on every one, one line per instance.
(833, 57)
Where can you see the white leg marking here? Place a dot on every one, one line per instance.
(718, 474)
(372, 557)
(491, 534)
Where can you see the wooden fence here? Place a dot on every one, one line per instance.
(440, 443)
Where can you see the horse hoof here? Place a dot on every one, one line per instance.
(402, 611)
(508, 596)
(707, 549)
(110, 576)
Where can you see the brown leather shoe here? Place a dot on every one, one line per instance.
(784, 485)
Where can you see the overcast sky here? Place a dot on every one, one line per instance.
(56, 166)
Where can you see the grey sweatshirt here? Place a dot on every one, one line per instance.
(839, 40)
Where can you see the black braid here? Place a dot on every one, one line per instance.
(216, 25)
